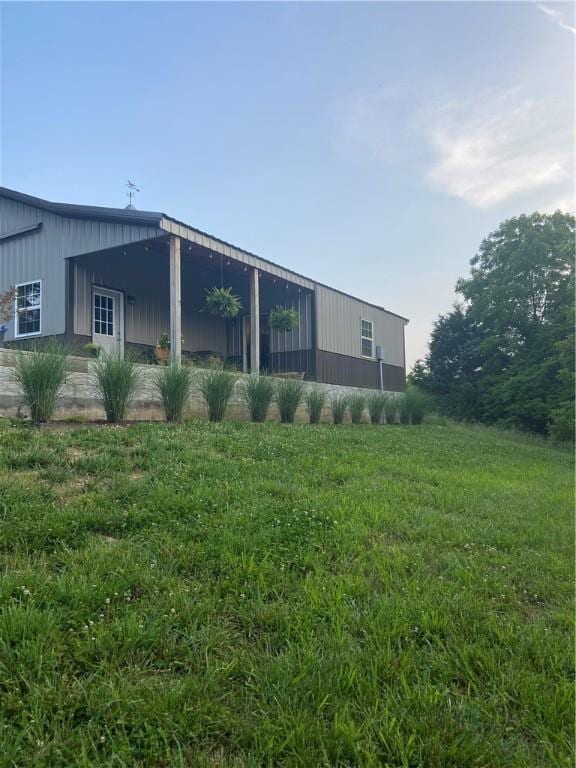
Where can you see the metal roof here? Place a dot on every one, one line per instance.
(157, 218)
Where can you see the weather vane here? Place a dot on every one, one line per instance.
(132, 189)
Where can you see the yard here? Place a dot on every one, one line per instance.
(271, 595)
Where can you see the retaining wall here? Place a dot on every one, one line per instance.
(78, 398)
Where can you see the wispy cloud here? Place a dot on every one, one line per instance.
(497, 146)
(557, 17)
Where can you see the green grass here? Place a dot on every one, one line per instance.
(270, 595)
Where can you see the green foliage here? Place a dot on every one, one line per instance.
(222, 302)
(506, 356)
(40, 374)
(288, 397)
(562, 423)
(376, 402)
(258, 392)
(283, 318)
(338, 406)
(216, 387)
(92, 349)
(227, 595)
(314, 400)
(356, 404)
(413, 405)
(116, 380)
(164, 341)
(173, 383)
(391, 406)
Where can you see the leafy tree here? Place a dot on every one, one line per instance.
(506, 354)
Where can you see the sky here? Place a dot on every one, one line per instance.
(371, 146)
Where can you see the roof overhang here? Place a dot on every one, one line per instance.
(179, 229)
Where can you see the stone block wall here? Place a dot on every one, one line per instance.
(78, 399)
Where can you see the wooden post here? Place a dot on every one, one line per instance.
(254, 321)
(244, 344)
(175, 301)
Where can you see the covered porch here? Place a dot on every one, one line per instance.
(126, 297)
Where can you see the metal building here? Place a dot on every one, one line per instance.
(121, 277)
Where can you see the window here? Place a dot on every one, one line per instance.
(103, 315)
(367, 334)
(28, 308)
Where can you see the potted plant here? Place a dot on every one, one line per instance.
(283, 318)
(162, 349)
(7, 299)
(222, 302)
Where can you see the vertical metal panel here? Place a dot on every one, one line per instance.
(42, 255)
(301, 336)
(339, 322)
(144, 276)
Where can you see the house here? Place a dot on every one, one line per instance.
(120, 277)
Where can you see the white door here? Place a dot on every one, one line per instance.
(108, 320)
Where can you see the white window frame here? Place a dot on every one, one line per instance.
(17, 334)
(366, 338)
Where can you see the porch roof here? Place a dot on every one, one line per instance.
(174, 227)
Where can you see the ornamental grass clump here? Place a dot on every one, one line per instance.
(376, 407)
(417, 404)
(288, 397)
(40, 374)
(338, 406)
(314, 400)
(391, 408)
(173, 383)
(116, 379)
(414, 405)
(258, 393)
(356, 404)
(216, 388)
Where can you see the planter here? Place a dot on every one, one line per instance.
(162, 354)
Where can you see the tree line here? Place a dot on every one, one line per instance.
(504, 354)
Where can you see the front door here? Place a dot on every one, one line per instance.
(108, 320)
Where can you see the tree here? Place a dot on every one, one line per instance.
(506, 354)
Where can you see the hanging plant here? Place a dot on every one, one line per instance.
(283, 318)
(222, 302)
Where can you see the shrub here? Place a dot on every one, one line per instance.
(376, 405)
(561, 426)
(116, 379)
(356, 404)
(338, 405)
(40, 374)
(258, 393)
(418, 403)
(216, 387)
(173, 384)
(391, 404)
(404, 408)
(314, 400)
(288, 398)
(413, 406)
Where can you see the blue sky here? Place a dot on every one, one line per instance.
(369, 145)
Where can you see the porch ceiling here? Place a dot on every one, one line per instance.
(226, 271)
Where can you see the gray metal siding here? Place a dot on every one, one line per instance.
(338, 318)
(301, 336)
(145, 278)
(41, 255)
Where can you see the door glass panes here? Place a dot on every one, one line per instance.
(103, 315)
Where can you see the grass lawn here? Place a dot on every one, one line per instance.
(271, 595)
